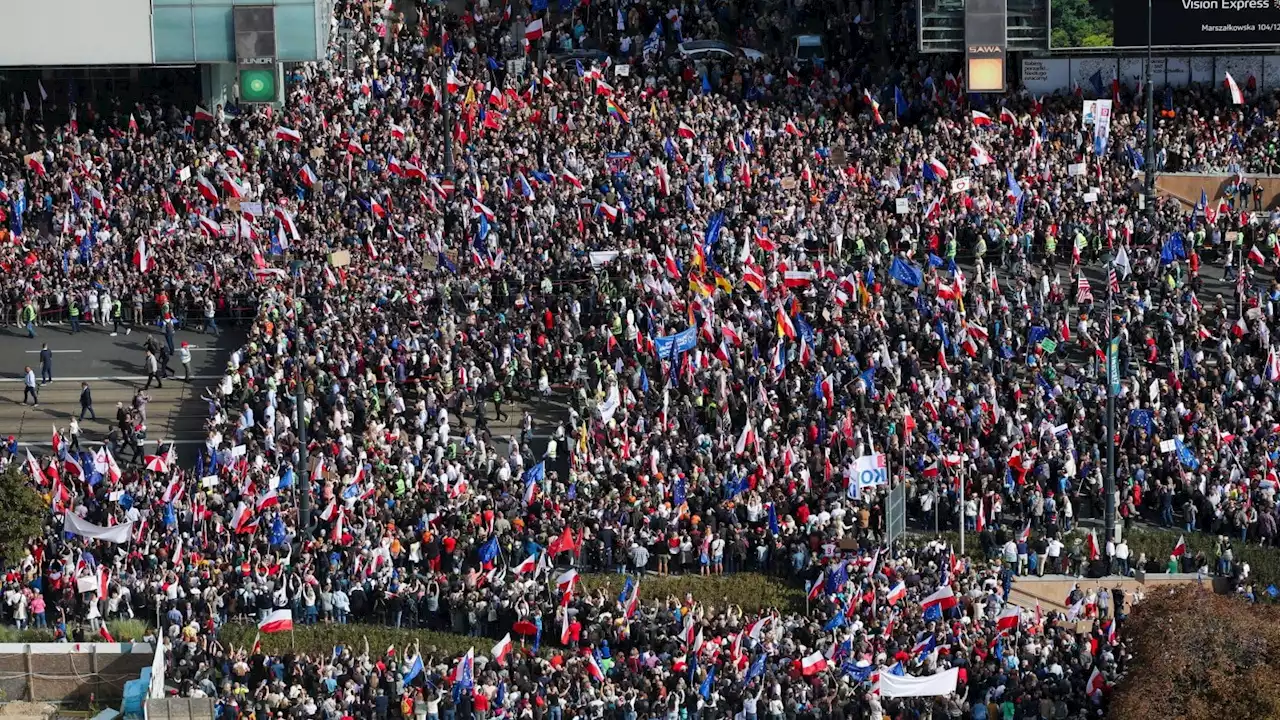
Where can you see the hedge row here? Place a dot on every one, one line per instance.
(751, 591)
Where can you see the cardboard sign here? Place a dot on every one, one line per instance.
(622, 71)
(87, 584)
(960, 185)
(1091, 197)
(233, 204)
(251, 208)
(317, 153)
(209, 481)
(1168, 446)
(1075, 169)
(902, 206)
(185, 174)
(340, 258)
(1048, 345)
(239, 451)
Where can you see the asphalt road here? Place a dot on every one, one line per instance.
(113, 368)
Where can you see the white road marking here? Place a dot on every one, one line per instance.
(33, 352)
(115, 378)
(46, 443)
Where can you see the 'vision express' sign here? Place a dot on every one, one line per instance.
(1198, 22)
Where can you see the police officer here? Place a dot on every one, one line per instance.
(29, 318)
(117, 317)
(73, 309)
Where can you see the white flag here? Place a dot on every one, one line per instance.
(1121, 262)
(118, 534)
(43, 95)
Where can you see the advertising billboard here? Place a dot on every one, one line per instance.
(1199, 23)
(1178, 23)
(985, 41)
(76, 32)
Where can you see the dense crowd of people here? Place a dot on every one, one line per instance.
(718, 309)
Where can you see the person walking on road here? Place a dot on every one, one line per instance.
(29, 318)
(86, 401)
(184, 357)
(117, 317)
(153, 371)
(210, 322)
(46, 364)
(168, 334)
(30, 388)
(165, 370)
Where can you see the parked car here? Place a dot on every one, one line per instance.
(712, 49)
(586, 57)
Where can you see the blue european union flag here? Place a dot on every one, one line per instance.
(278, 532)
(836, 621)
(680, 493)
(900, 102)
(1185, 456)
(933, 612)
(1143, 419)
(869, 377)
(537, 473)
(626, 590)
(774, 529)
(705, 689)
(837, 579)
(1096, 81)
(756, 669)
(714, 226)
(905, 273)
(489, 551)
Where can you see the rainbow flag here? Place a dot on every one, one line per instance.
(616, 111)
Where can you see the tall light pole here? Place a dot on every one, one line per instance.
(1149, 186)
(303, 467)
(445, 126)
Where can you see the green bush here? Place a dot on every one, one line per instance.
(752, 591)
(321, 639)
(129, 630)
(10, 634)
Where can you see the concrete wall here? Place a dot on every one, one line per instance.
(75, 32)
(70, 672)
(1186, 188)
(1051, 591)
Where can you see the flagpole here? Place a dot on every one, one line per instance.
(302, 470)
(446, 127)
(960, 507)
(1109, 479)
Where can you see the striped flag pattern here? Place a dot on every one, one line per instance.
(1084, 293)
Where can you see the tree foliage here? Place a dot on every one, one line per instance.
(22, 514)
(1200, 656)
(1082, 23)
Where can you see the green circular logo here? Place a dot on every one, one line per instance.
(258, 85)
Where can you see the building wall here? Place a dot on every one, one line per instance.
(77, 32)
(202, 31)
